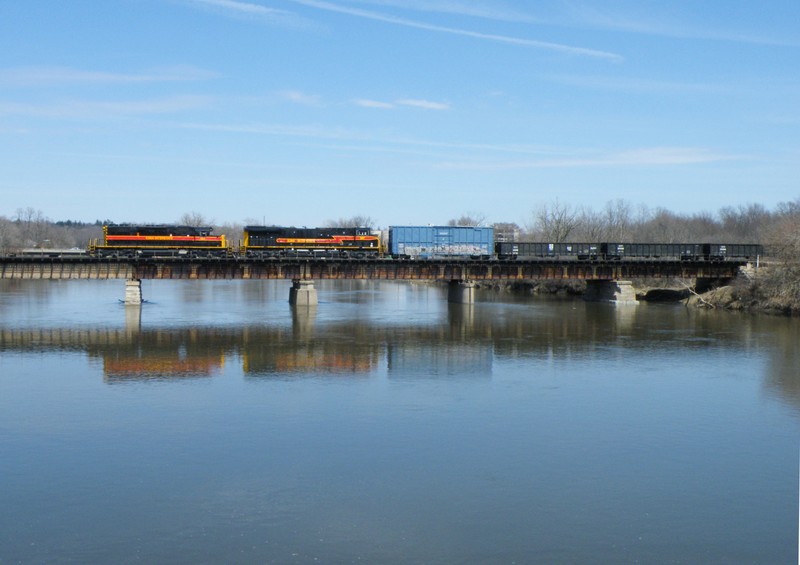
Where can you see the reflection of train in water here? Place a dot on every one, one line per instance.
(143, 365)
(399, 242)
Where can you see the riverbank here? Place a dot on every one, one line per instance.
(647, 290)
(773, 290)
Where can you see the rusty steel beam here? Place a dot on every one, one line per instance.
(379, 268)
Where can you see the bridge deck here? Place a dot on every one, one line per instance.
(376, 268)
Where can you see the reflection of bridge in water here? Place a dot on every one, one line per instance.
(607, 279)
(465, 344)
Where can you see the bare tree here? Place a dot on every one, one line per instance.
(194, 219)
(33, 227)
(783, 234)
(474, 219)
(234, 231)
(251, 221)
(702, 226)
(506, 231)
(789, 208)
(64, 238)
(663, 226)
(745, 223)
(357, 221)
(9, 235)
(554, 222)
(592, 225)
(779, 284)
(618, 220)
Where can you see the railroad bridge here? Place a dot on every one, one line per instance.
(607, 279)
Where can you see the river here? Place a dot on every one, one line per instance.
(215, 424)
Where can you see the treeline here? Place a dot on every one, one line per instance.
(556, 222)
(620, 221)
(29, 228)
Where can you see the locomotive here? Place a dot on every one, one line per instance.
(275, 241)
(128, 240)
(404, 242)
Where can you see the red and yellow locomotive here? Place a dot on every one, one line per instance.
(129, 240)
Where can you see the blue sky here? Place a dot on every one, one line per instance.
(295, 112)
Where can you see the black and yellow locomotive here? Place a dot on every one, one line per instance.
(130, 240)
(277, 241)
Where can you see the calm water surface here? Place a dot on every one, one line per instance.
(216, 425)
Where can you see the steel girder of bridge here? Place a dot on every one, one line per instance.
(377, 269)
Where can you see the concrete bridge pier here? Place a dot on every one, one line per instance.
(461, 317)
(461, 292)
(303, 322)
(133, 319)
(133, 292)
(618, 292)
(303, 293)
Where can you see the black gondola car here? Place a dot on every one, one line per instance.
(524, 250)
(725, 251)
(652, 251)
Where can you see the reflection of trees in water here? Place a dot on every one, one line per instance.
(436, 360)
(466, 343)
(783, 374)
(342, 349)
(15, 292)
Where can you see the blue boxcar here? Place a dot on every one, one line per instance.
(426, 242)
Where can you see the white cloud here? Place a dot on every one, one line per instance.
(297, 97)
(389, 142)
(243, 7)
(410, 102)
(535, 157)
(364, 103)
(559, 47)
(661, 22)
(668, 156)
(101, 109)
(648, 156)
(424, 104)
(647, 19)
(234, 7)
(315, 132)
(487, 10)
(251, 11)
(634, 84)
(36, 76)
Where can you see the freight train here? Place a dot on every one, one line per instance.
(398, 242)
